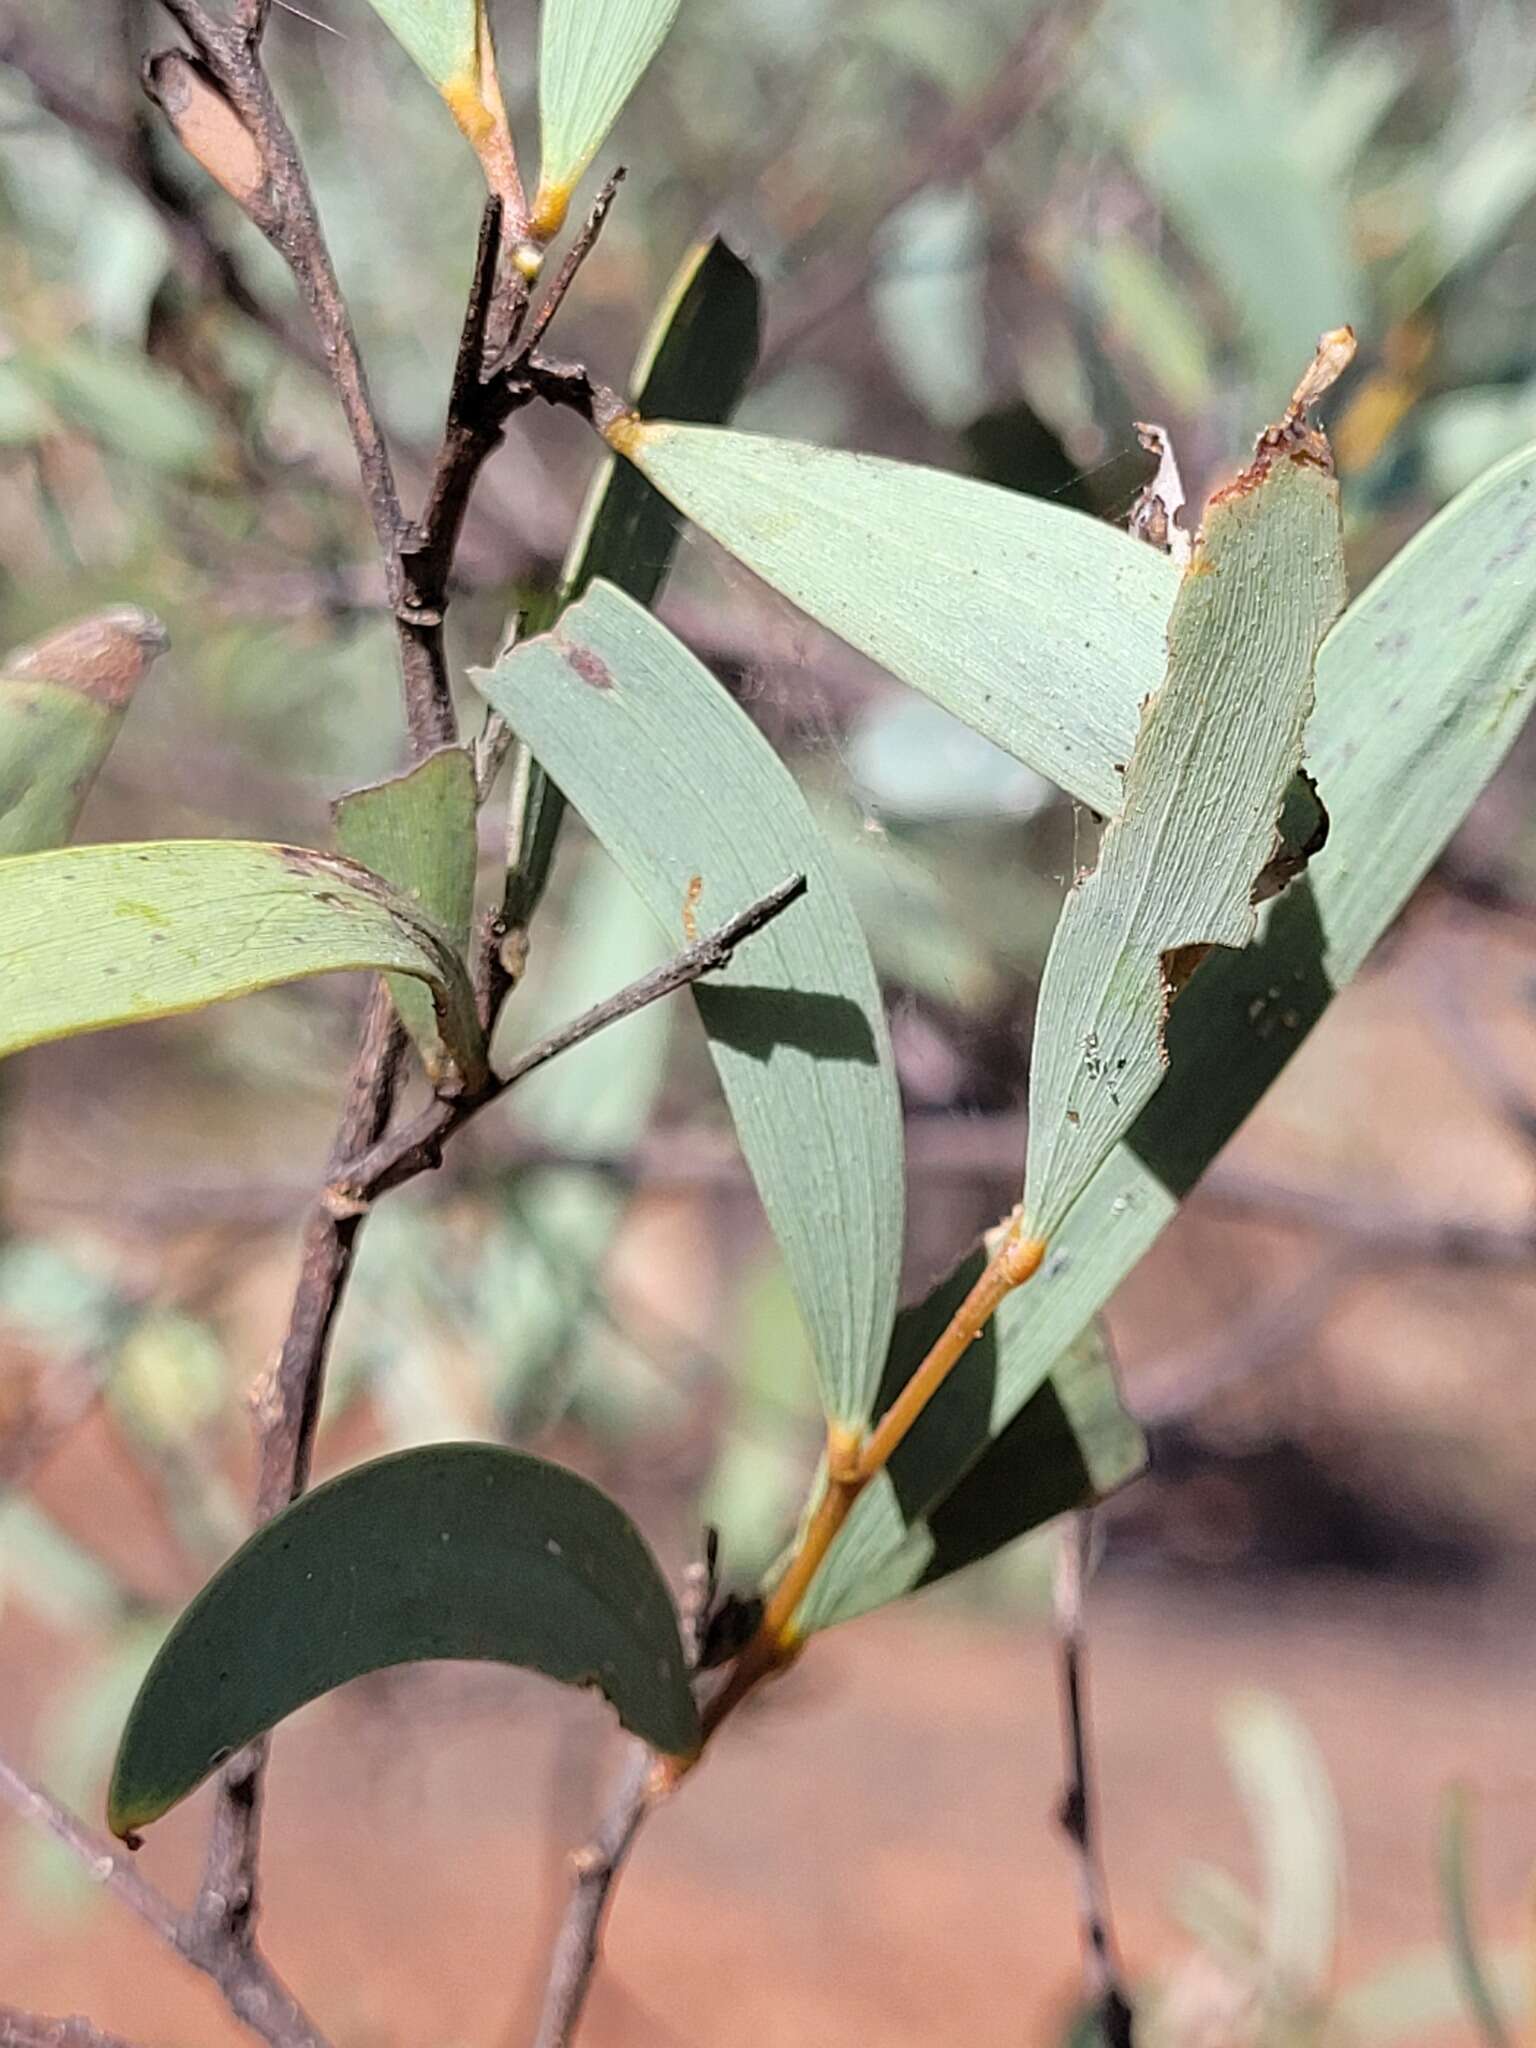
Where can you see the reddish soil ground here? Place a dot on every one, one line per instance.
(868, 1857)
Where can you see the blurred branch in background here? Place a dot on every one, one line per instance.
(60, 1395)
(1103, 1979)
(943, 1151)
(120, 141)
(1027, 76)
(27, 2030)
(249, 1984)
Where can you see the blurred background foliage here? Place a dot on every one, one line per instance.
(994, 233)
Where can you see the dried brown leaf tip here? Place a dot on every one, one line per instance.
(209, 130)
(1335, 353)
(1291, 436)
(1155, 515)
(105, 656)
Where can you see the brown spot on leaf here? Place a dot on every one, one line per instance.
(209, 130)
(105, 656)
(691, 897)
(589, 666)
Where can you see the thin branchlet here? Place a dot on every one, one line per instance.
(1078, 1811)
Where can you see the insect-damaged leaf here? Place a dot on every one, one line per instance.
(1178, 870)
(704, 819)
(591, 57)
(455, 1550)
(95, 936)
(1418, 702)
(61, 703)
(418, 832)
(1037, 625)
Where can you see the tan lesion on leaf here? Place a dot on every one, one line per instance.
(589, 666)
(691, 897)
(209, 129)
(105, 656)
